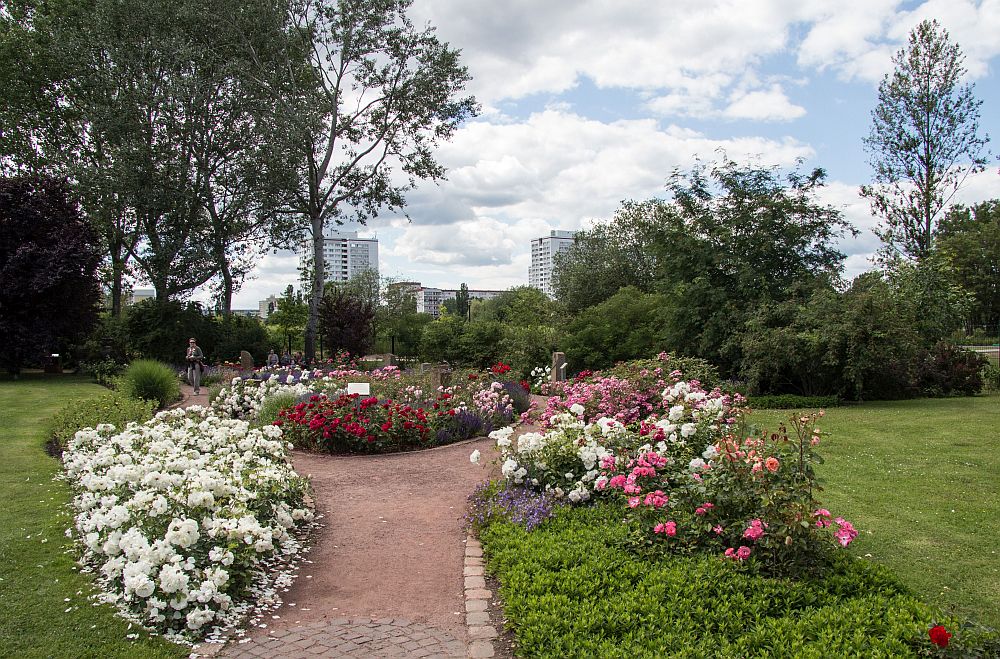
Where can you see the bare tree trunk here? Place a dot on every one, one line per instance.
(117, 275)
(319, 267)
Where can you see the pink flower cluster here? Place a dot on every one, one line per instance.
(756, 530)
(845, 533)
(703, 509)
(645, 465)
(740, 554)
(606, 396)
(666, 528)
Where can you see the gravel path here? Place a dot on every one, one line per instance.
(385, 573)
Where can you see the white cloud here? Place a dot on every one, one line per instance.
(857, 38)
(763, 105)
(518, 48)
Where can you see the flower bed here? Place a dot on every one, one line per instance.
(628, 392)
(367, 424)
(186, 518)
(569, 590)
(688, 474)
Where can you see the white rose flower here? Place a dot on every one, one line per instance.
(474, 458)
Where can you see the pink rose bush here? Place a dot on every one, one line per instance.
(743, 496)
(685, 470)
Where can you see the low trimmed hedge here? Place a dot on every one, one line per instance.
(114, 407)
(576, 587)
(792, 402)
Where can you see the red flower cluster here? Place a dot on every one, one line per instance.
(353, 424)
(500, 368)
(939, 636)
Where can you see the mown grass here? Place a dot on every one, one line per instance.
(46, 610)
(921, 480)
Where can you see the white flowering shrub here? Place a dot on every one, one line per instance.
(564, 460)
(184, 517)
(243, 399)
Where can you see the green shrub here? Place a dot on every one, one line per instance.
(151, 380)
(991, 377)
(272, 405)
(104, 371)
(792, 402)
(114, 407)
(947, 370)
(572, 589)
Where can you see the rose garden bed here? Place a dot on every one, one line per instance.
(667, 524)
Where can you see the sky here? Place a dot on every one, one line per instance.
(586, 103)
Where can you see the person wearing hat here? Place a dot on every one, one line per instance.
(195, 361)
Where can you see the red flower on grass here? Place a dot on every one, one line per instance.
(939, 636)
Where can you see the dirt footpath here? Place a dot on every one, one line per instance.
(392, 538)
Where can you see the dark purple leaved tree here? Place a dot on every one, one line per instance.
(49, 289)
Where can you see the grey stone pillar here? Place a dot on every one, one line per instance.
(558, 367)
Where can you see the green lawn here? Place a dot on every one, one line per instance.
(921, 481)
(45, 609)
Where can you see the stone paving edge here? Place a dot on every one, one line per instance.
(480, 635)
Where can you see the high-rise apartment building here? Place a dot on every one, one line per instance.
(543, 251)
(344, 254)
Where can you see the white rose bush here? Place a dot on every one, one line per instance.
(564, 460)
(188, 520)
(243, 399)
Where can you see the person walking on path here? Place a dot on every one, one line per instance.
(195, 362)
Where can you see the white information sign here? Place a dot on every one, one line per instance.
(360, 388)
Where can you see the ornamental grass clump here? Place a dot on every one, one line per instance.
(114, 407)
(149, 379)
(186, 518)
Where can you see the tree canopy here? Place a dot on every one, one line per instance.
(924, 140)
(375, 98)
(730, 237)
(49, 256)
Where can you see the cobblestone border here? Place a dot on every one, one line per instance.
(477, 617)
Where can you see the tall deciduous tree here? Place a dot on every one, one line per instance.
(924, 140)
(378, 96)
(462, 301)
(731, 237)
(177, 155)
(290, 316)
(48, 270)
(968, 239)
